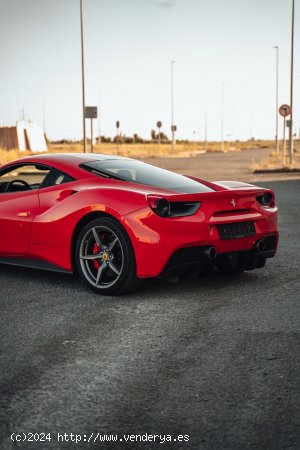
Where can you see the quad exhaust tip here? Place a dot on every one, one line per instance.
(259, 246)
(210, 252)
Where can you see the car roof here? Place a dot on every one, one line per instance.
(67, 157)
(65, 161)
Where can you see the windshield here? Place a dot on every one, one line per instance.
(142, 173)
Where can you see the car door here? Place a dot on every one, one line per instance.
(17, 211)
(19, 204)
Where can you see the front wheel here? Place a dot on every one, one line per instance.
(105, 258)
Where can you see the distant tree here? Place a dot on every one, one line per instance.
(105, 139)
(128, 140)
(163, 136)
(137, 139)
(153, 135)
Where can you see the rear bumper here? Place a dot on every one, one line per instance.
(245, 259)
(161, 244)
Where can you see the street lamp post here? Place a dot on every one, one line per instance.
(82, 72)
(222, 118)
(44, 119)
(173, 128)
(276, 106)
(205, 125)
(99, 123)
(291, 150)
(232, 124)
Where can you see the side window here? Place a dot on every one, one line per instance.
(23, 177)
(55, 178)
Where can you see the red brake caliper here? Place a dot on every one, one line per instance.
(96, 250)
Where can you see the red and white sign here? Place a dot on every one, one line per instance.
(285, 110)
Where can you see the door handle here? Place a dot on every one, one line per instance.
(24, 214)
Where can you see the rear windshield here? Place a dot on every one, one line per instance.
(142, 173)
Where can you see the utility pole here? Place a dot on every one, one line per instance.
(82, 73)
(99, 123)
(277, 106)
(44, 118)
(173, 127)
(205, 124)
(92, 136)
(291, 150)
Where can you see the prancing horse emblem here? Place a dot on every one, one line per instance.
(233, 202)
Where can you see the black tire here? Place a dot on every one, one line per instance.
(105, 259)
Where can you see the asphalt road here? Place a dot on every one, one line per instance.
(233, 165)
(215, 358)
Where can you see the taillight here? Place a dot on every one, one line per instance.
(164, 208)
(161, 206)
(267, 200)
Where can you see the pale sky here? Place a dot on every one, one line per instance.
(129, 45)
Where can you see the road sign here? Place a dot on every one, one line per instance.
(285, 110)
(90, 112)
(159, 124)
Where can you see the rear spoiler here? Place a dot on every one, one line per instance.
(199, 197)
(223, 185)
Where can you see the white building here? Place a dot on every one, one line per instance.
(24, 136)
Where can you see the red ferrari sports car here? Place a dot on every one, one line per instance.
(116, 221)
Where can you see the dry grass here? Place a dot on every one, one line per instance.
(142, 150)
(276, 161)
(10, 155)
(152, 150)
